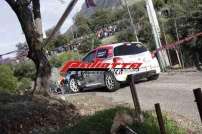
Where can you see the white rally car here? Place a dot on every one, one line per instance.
(126, 52)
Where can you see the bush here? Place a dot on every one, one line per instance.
(8, 82)
(89, 44)
(25, 69)
(59, 60)
(125, 36)
(24, 83)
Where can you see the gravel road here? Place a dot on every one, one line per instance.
(172, 90)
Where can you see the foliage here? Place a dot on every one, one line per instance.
(125, 36)
(184, 18)
(102, 121)
(8, 82)
(159, 4)
(83, 25)
(102, 18)
(89, 44)
(109, 40)
(60, 59)
(60, 40)
(25, 69)
(24, 84)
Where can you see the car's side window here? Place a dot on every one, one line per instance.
(102, 53)
(90, 57)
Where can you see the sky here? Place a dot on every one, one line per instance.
(51, 10)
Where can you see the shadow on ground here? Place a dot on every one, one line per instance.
(104, 89)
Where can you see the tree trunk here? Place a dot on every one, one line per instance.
(29, 16)
(43, 72)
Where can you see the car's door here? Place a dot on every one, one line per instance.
(89, 76)
(102, 54)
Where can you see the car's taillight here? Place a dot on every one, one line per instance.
(117, 60)
(152, 55)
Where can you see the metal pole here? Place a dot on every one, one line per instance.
(160, 118)
(61, 21)
(198, 97)
(131, 21)
(156, 31)
(135, 98)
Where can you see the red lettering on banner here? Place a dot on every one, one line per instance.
(105, 65)
(125, 65)
(93, 65)
(98, 65)
(115, 64)
(83, 65)
(135, 65)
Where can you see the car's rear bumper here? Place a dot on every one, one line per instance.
(142, 75)
(137, 75)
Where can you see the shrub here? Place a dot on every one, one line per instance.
(59, 60)
(8, 82)
(89, 44)
(125, 36)
(25, 69)
(23, 84)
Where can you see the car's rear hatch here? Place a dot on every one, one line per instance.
(132, 53)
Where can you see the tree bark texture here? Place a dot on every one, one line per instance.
(29, 16)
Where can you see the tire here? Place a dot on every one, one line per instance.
(73, 86)
(110, 82)
(153, 77)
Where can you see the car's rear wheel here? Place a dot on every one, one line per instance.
(153, 77)
(73, 86)
(110, 82)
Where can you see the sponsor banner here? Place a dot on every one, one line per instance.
(96, 66)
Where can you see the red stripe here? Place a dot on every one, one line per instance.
(173, 45)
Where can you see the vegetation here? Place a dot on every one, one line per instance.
(24, 84)
(178, 19)
(29, 15)
(183, 18)
(58, 41)
(8, 82)
(60, 59)
(89, 44)
(17, 77)
(25, 69)
(101, 123)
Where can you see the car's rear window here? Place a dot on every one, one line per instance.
(129, 49)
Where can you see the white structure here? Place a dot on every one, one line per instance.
(163, 57)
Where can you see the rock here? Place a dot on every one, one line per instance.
(121, 119)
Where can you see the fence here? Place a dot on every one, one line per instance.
(198, 100)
